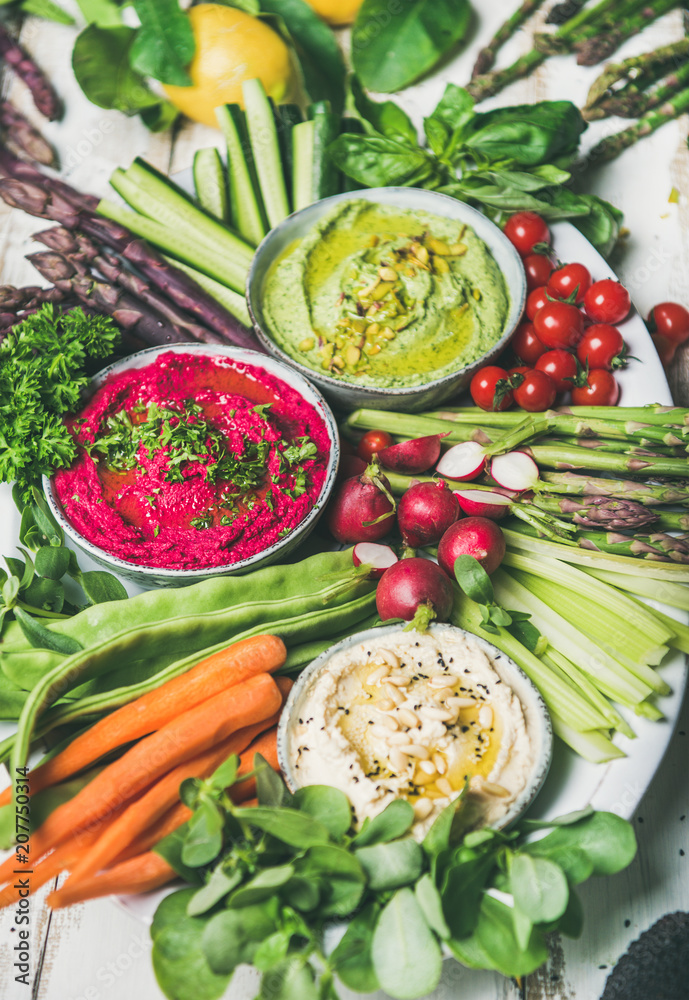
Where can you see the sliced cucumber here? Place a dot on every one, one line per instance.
(286, 117)
(246, 205)
(210, 183)
(325, 176)
(266, 151)
(233, 301)
(302, 158)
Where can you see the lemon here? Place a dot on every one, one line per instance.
(336, 11)
(231, 47)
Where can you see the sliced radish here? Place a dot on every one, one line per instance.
(412, 456)
(483, 503)
(463, 461)
(515, 471)
(378, 557)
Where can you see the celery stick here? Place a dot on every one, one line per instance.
(177, 245)
(234, 302)
(587, 654)
(680, 639)
(674, 594)
(649, 711)
(266, 150)
(594, 746)
(246, 207)
(598, 700)
(602, 722)
(606, 597)
(674, 572)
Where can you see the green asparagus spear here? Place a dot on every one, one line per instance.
(611, 147)
(486, 56)
(635, 68)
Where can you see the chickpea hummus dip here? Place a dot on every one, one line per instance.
(415, 716)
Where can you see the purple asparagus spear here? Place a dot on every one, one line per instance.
(45, 98)
(20, 133)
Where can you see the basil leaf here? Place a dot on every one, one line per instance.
(527, 134)
(539, 888)
(389, 866)
(386, 118)
(328, 805)
(232, 936)
(352, 960)
(164, 45)
(393, 822)
(101, 64)
(602, 225)
(179, 962)
(455, 108)
(393, 45)
(47, 10)
(376, 161)
(406, 953)
(473, 579)
(104, 13)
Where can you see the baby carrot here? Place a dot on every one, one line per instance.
(138, 874)
(229, 666)
(193, 732)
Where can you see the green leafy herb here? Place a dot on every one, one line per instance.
(476, 584)
(164, 45)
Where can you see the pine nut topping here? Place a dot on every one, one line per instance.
(444, 786)
(491, 788)
(458, 703)
(416, 750)
(398, 739)
(399, 680)
(438, 714)
(440, 763)
(406, 717)
(427, 766)
(376, 676)
(485, 716)
(438, 681)
(385, 705)
(393, 693)
(398, 762)
(422, 808)
(388, 721)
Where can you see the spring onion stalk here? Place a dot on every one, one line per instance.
(603, 668)
(674, 594)
(234, 302)
(613, 718)
(672, 572)
(594, 746)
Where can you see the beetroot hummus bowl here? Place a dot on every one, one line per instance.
(195, 461)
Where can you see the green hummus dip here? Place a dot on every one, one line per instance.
(380, 296)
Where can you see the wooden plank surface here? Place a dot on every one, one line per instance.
(100, 952)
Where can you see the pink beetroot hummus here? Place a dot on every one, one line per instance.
(193, 462)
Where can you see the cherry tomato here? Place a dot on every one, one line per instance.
(560, 365)
(373, 442)
(607, 301)
(484, 385)
(602, 346)
(519, 370)
(559, 324)
(665, 347)
(536, 393)
(526, 344)
(538, 270)
(568, 279)
(524, 230)
(535, 301)
(670, 320)
(602, 390)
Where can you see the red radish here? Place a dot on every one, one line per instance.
(425, 512)
(515, 471)
(413, 456)
(378, 557)
(362, 509)
(483, 503)
(472, 536)
(350, 465)
(463, 461)
(416, 590)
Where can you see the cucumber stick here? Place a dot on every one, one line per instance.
(286, 117)
(302, 160)
(325, 176)
(246, 205)
(210, 183)
(234, 302)
(266, 151)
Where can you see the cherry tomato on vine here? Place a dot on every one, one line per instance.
(559, 324)
(602, 390)
(665, 347)
(607, 301)
(602, 346)
(560, 365)
(670, 320)
(568, 279)
(538, 269)
(484, 386)
(526, 344)
(524, 230)
(536, 393)
(373, 442)
(519, 370)
(535, 301)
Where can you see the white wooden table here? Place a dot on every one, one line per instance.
(97, 951)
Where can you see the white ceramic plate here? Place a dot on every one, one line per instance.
(572, 782)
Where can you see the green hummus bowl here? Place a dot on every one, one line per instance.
(386, 297)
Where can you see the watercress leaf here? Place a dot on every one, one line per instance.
(406, 954)
(303, 893)
(46, 594)
(389, 866)
(328, 805)
(10, 590)
(473, 579)
(46, 9)
(393, 45)
(539, 887)
(41, 637)
(341, 875)
(179, 962)
(170, 848)
(164, 45)
(232, 936)
(226, 773)
(428, 898)
(376, 161)
(527, 134)
(470, 952)
(495, 933)
(523, 926)
(29, 569)
(393, 822)
(204, 835)
(571, 922)
(386, 118)
(287, 825)
(439, 836)
(270, 788)
(100, 586)
(319, 54)
(189, 792)
(101, 64)
(272, 950)
(462, 890)
(262, 886)
(606, 840)
(294, 980)
(576, 865)
(566, 820)
(352, 960)
(44, 519)
(500, 616)
(218, 885)
(52, 562)
(526, 633)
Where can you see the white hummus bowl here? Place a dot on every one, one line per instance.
(156, 576)
(538, 724)
(346, 395)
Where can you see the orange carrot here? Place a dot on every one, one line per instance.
(139, 874)
(267, 746)
(230, 666)
(193, 732)
(153, 834)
